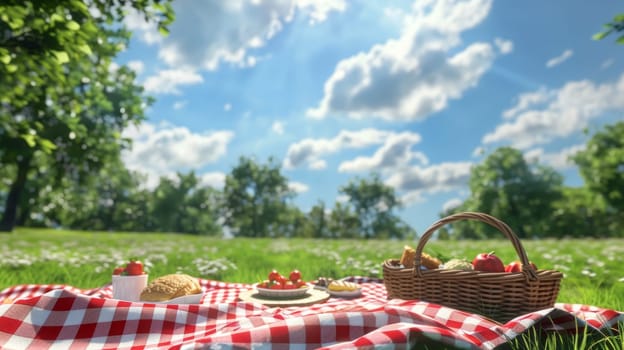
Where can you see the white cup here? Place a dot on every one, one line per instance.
(129, 287)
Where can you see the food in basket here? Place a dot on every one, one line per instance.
(343, 286)
(457, 264)
(516, 266)
(169, 287)
(426, 260)
(514, 295)
(488, 262)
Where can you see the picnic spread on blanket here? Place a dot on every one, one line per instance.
(420, 300)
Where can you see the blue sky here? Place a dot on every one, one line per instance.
(418, 91)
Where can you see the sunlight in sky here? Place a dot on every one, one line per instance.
(417, 91)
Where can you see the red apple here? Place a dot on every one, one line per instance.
(516, 266)
(488, 262)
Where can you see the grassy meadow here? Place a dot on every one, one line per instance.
(594, 269)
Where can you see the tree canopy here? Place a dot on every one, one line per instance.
(255, 195)
(509, 188)
(60, 96)
(613, 27)
(601, 165)
(374, 203)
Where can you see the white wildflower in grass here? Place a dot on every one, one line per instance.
(560, 267)
(588, 273)
(350, 262)
(281, 247)
(596, 262)
(327, 255)
(207, 267)
(19, 263)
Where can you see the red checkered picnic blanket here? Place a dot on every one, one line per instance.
(64, 317)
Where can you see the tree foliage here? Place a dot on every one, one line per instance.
(580, 213)
(255, 195)
(601, 165)
(374, 204)
(615, 26)
(507, 187)
(60, 96)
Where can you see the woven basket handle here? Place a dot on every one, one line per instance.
(488, 219)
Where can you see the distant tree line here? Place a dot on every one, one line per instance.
(256, 200)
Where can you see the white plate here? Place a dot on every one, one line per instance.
(341, 294)
(345, 294)
(282, 293)
(187, 299)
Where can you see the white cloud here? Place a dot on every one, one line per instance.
(317, 164)
(148, 32)
(319, 9)
(167, 81)
(504, 46)
(179, 105)
(310, 150)
(207, 34)
(342, 198)
(396, 152)
(451, 204)
(137, 66)
(557, 113)
(417, 181)
(555, 61)
(558, 160)
(607, 63)
(212, 179)
(298, 187)
(227, 107)
(415, 75)
(164, 149)
(278, 127)
(526, 101)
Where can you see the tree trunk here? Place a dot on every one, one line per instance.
(10, 208)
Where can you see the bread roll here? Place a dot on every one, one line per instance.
(407, 258)
(429, 261)
(343, 286)
(170, 286)
(426, 260)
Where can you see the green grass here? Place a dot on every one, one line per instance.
(593, 269)
(585, 339)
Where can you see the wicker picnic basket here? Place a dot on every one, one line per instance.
(500, 296)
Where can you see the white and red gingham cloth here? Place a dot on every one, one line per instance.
(64, 317)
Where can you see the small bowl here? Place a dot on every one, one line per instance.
(282, 293)
(128, 287)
